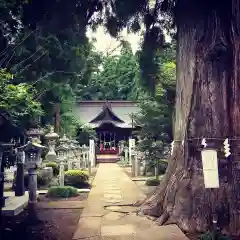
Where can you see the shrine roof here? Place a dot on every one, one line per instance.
(91, 113)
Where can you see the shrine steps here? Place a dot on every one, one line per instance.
(107, 158)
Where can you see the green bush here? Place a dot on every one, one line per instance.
(76, 178)
(54, 166)
(152, 182)
(214, 236)
(62, 192)
(42, 179)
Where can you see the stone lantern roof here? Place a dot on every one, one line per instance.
(51, 135)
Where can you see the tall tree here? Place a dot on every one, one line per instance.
(207, 105)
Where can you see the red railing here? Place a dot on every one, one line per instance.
(109, 151)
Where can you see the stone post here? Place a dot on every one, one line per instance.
(32, 185)
(133, 156)
(137, 165)
(126, 159)
(92, 153)
(88, 161)
(61, 174)
(131, 148)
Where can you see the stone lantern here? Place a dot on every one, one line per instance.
(35, 134)
(33, 150)
(61, 157)
(64, 141)
(51, 138)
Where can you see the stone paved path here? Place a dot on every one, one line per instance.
(108, 216)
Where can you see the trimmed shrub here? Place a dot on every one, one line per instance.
(62, 192)
(76, 178)
(54, 166)
(152, 182)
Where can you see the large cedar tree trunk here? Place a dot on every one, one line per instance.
(207, 105)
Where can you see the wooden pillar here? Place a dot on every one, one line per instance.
(104, 140)
(110, 140)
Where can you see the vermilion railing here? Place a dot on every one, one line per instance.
(109, 151)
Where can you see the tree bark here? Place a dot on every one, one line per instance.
(207, 106)
(57, 117)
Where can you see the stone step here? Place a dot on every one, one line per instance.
(107, 158)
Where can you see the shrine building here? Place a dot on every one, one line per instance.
(112, 121)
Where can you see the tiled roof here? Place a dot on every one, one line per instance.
(86, 111)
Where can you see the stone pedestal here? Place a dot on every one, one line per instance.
(19, 188)
(32, 185)
(61, 174)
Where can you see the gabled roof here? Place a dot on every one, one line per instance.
(88, 112)
(106, 115)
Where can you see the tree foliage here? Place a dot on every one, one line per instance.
(18, 100)
(155, 117)
(113, 77)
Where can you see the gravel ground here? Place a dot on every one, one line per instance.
(43, 224)
(52, 219)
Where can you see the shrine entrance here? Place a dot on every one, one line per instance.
(107, 141)
(109, 136)
(111, 126)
